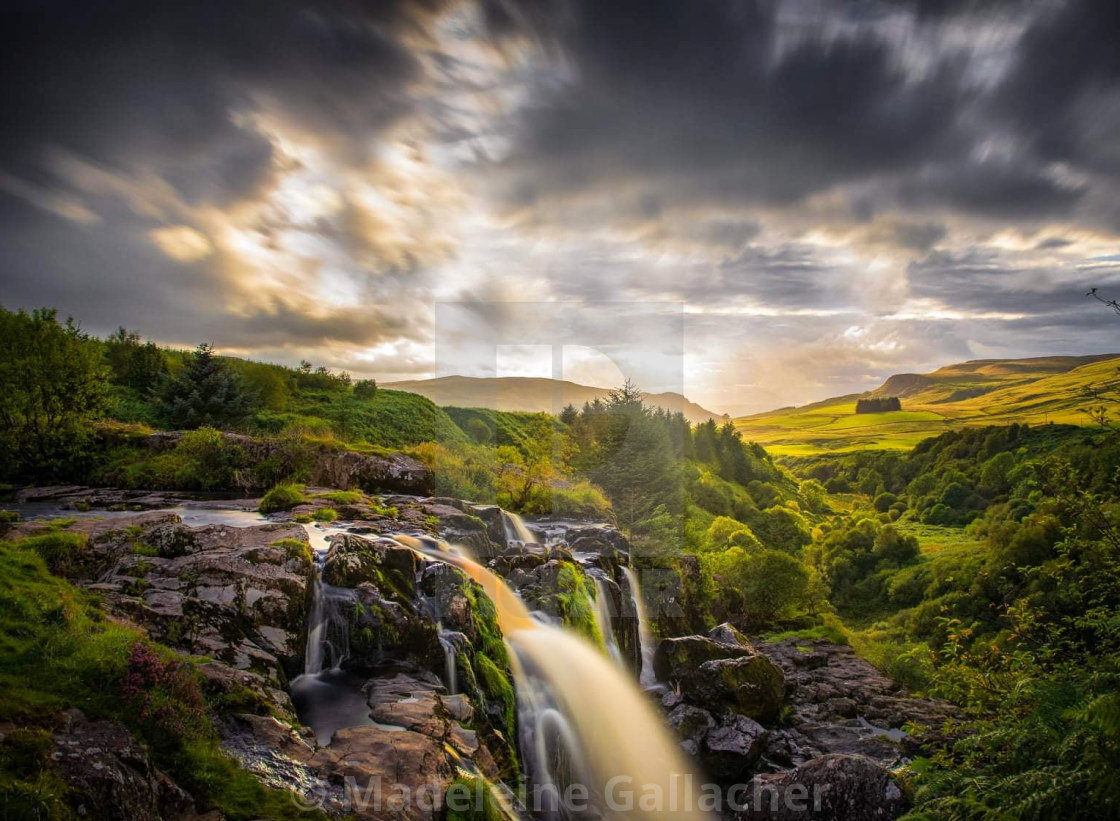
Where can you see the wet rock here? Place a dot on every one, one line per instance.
(748, 685)
(676, 658)
(836, 787)
(691, 724)
(731, 749)
(236, 594)
(109, 776)
(729, 634)
(354, 560)
(840, 703)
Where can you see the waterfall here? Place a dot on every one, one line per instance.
(603, 618)
(450, 674)
(582, 718)
(328, 629)
(515, 529)
(313, 650)
(645, 635)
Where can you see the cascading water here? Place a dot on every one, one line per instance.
(603, 618)
(450, 673)
(582, 719)
(515, 529)
(326, 697)
(647, 678)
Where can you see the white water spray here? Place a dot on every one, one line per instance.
(645, 635)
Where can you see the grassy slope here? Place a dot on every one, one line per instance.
(532, 395)
(984, 392)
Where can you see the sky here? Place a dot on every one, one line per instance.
(821, 193)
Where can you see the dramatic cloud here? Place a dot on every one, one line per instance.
(826, 192)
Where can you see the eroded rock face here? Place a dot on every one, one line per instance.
(238, 595)
(841, 703)
(836, 787)
(722, 677)
(109, 775)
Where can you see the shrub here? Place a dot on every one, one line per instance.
(282, 497)
(325, 514)
(365, 389)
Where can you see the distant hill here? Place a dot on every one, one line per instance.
(978, 392)
(522, 393)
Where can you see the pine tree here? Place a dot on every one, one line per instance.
(206, 393)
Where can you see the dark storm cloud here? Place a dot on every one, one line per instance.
(696, 96)
(158, 87)
(984, 281)
(1066, 75)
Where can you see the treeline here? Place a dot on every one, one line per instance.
(882, 404)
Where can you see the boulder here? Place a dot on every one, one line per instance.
(836, 787)
(389, 566)
(748, 685)
(732, 749)
(237, 594)
(691, 724)
(109, 776)
(676, 658)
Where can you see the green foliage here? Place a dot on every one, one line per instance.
(53, 386)
(365, 389)
(295, 549)
(135, 365)
(65, 554)
(757, 587)
(343, 497)
(58, 651)
(282, 497)
(205, 393)
(324, 514)
(472, 799)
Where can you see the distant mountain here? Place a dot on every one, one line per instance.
(522, 393)
(978, 392)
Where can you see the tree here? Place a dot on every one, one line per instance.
(365, 389)
(206, 392)
(53, 385)
(569, 414)
(137, 365)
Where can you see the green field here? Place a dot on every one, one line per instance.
(983, 392)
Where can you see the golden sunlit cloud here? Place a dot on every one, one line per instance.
(182, 242)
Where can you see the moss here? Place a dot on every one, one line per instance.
(282, 497)
(145, 550)
(325, 514)
(295, 549)
(302, 519)
(8, 517)
(57, 651)
(343, 497)
(576, 604)
(472, 799)
(29, 787)
(496, 684)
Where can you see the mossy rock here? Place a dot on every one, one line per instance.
(752, 686)
(676, 658)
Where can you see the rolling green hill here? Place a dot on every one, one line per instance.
(533, 395)
(979, 392)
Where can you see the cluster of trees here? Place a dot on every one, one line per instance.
(880, 404)
(58, 384)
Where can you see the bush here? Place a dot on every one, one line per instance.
(325, 514)
(282, 497)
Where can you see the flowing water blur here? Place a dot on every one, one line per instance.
(583, 720)
(645, 635)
